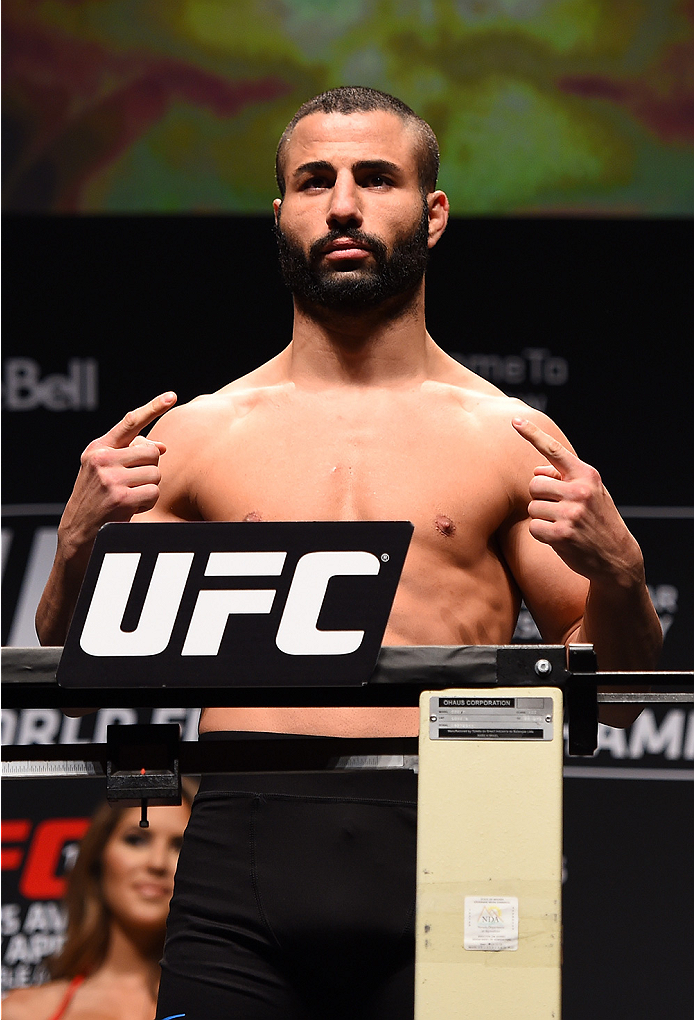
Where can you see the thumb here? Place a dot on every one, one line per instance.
(143, 441)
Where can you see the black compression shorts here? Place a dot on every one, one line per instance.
(295, 900)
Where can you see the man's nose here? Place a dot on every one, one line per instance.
(344, 209)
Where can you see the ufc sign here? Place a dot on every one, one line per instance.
(297, 633)
(40, 878)
(266, 603)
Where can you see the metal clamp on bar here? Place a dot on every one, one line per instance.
(142, 766)
(582, 701)
(529, 665)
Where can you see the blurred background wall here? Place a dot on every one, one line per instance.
(540, 106)
(139, 140)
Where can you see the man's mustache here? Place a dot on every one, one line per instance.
(374, 244)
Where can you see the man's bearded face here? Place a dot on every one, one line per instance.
(313, 281)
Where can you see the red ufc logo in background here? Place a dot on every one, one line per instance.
(39, 879)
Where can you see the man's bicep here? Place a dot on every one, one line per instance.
(554, 594)
(174, 503)
(157, 515)
(176, 465)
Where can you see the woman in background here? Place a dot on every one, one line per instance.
(117, 903)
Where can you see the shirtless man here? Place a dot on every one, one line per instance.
(362, 417)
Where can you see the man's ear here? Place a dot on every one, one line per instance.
(439, 209)
(276, 207)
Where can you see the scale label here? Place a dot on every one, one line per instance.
(491, 923)
(490, 718)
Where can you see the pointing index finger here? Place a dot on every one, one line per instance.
(130, 426)
(550, 447)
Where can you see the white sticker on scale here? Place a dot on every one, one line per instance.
(491, 923)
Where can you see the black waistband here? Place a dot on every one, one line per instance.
(398, 785)
(251, 735)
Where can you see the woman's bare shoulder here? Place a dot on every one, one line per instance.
(37, 1003)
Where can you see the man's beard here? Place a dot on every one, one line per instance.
(350, 291)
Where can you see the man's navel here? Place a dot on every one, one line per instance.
(253, 516)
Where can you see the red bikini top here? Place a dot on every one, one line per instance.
(67, 999)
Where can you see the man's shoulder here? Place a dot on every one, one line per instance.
(483, 400)
(210, 411)
(493, 414)
(465, 386)
(482, 414)
(248, 389)
(474, 395)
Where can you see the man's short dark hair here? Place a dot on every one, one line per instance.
(358, 99)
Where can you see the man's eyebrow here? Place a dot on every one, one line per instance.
(313, 167)
(383, 165)
(322, 165)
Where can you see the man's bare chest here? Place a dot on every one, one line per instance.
(436, 469)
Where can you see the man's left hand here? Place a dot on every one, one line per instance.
(572, 511)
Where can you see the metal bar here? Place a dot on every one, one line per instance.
(26, 768)
(230, 754)
(401, 672)
(648, 698)
(39, 694)
(396, 664)
(43, 695)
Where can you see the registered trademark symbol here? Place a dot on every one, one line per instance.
(385, 557)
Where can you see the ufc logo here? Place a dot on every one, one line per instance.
(297, 633)
(40, 878)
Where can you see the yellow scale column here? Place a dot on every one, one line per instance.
(489, 855)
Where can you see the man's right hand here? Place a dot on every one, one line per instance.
(118, 477)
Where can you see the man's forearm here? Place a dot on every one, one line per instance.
(623, 627)
(118, 477)
(59, 598)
